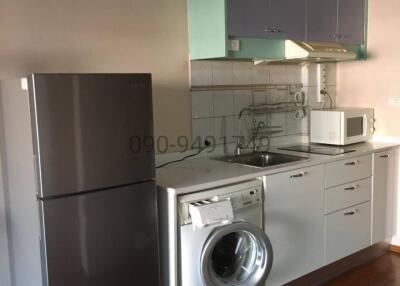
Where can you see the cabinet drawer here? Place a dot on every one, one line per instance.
(347, 231)
(350, 170)
(347, 195)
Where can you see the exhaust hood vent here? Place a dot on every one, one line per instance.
(299, 52)
(317, 52)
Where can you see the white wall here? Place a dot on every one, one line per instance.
(375, 81)
(4, 255)
(104, 36)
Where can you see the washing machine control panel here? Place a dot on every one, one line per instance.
(240, 196)
(246, 198)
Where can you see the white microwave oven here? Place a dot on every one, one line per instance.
(341, 126)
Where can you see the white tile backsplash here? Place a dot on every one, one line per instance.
(223, 103)
(222, 73)
(261, 74)
(201, 72)
(294, 125)
(201, 129)
(243, 72)
(278, 120)
(215, 113)
(224, 128)
(260, 97)
(202, 104)
(277, 74)
(242, 99)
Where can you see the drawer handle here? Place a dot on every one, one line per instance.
(273, 30)
(353, 212)
(353, 163)
(385, 156)
(353, 188)
(300, 175)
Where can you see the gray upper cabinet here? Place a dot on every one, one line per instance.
(273, 19)
(351, 21)
(322, 20)
(248, 18)
(336, 21)
(313, 20)
(288, 20)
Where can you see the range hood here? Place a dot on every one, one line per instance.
(312, 52)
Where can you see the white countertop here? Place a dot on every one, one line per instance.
(199, 174)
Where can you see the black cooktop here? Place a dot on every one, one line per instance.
(318, 149)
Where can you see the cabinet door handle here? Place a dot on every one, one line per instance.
(353, 163)
(353, 212)
(269, 30)
(353, 188)
(385, 156)
(299, 175)
(273, 30)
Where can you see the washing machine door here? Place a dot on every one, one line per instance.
(236, 254)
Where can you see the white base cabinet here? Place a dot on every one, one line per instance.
(382, 196)
(294, 222)
(318, 215)
(347, 231)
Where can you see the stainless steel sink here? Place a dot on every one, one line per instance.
(262, 160)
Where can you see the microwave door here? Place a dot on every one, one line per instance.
(355, 128)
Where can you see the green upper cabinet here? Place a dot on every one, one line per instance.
(209, 36)
(251, 29)
(342, 21)
(263, 19)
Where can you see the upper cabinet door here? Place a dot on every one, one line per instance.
(288, 20)
(273, 19)
(322, 20)
(248, 18)
(351, 21)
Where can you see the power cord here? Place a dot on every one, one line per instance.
(325, 93)
(206, 143)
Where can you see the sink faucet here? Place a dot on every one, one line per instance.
(239, 146)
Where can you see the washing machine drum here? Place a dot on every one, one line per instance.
(236, 254)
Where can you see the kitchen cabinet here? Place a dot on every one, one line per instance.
(341, 21)
(248, 18)
(348, 170)
(210, 22)
(348, 195)
(322, 20)
(351, 21)
(256, 29)
(382, 195)
(273, 19)
(294, 222)
(347, 231)
(348, 207)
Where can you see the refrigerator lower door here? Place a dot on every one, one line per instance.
(106, 238)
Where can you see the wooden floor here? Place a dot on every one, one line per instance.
(384, 271)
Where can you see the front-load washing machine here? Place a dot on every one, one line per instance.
(222, 241)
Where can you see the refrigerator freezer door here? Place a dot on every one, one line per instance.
(103, 238)
(91, 131)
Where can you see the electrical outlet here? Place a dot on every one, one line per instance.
(321, 80)
(394, 101)
(24, 84)
(234, 45)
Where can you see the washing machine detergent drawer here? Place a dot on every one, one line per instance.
(237, 253)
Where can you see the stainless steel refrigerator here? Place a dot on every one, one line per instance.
(79, 183)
